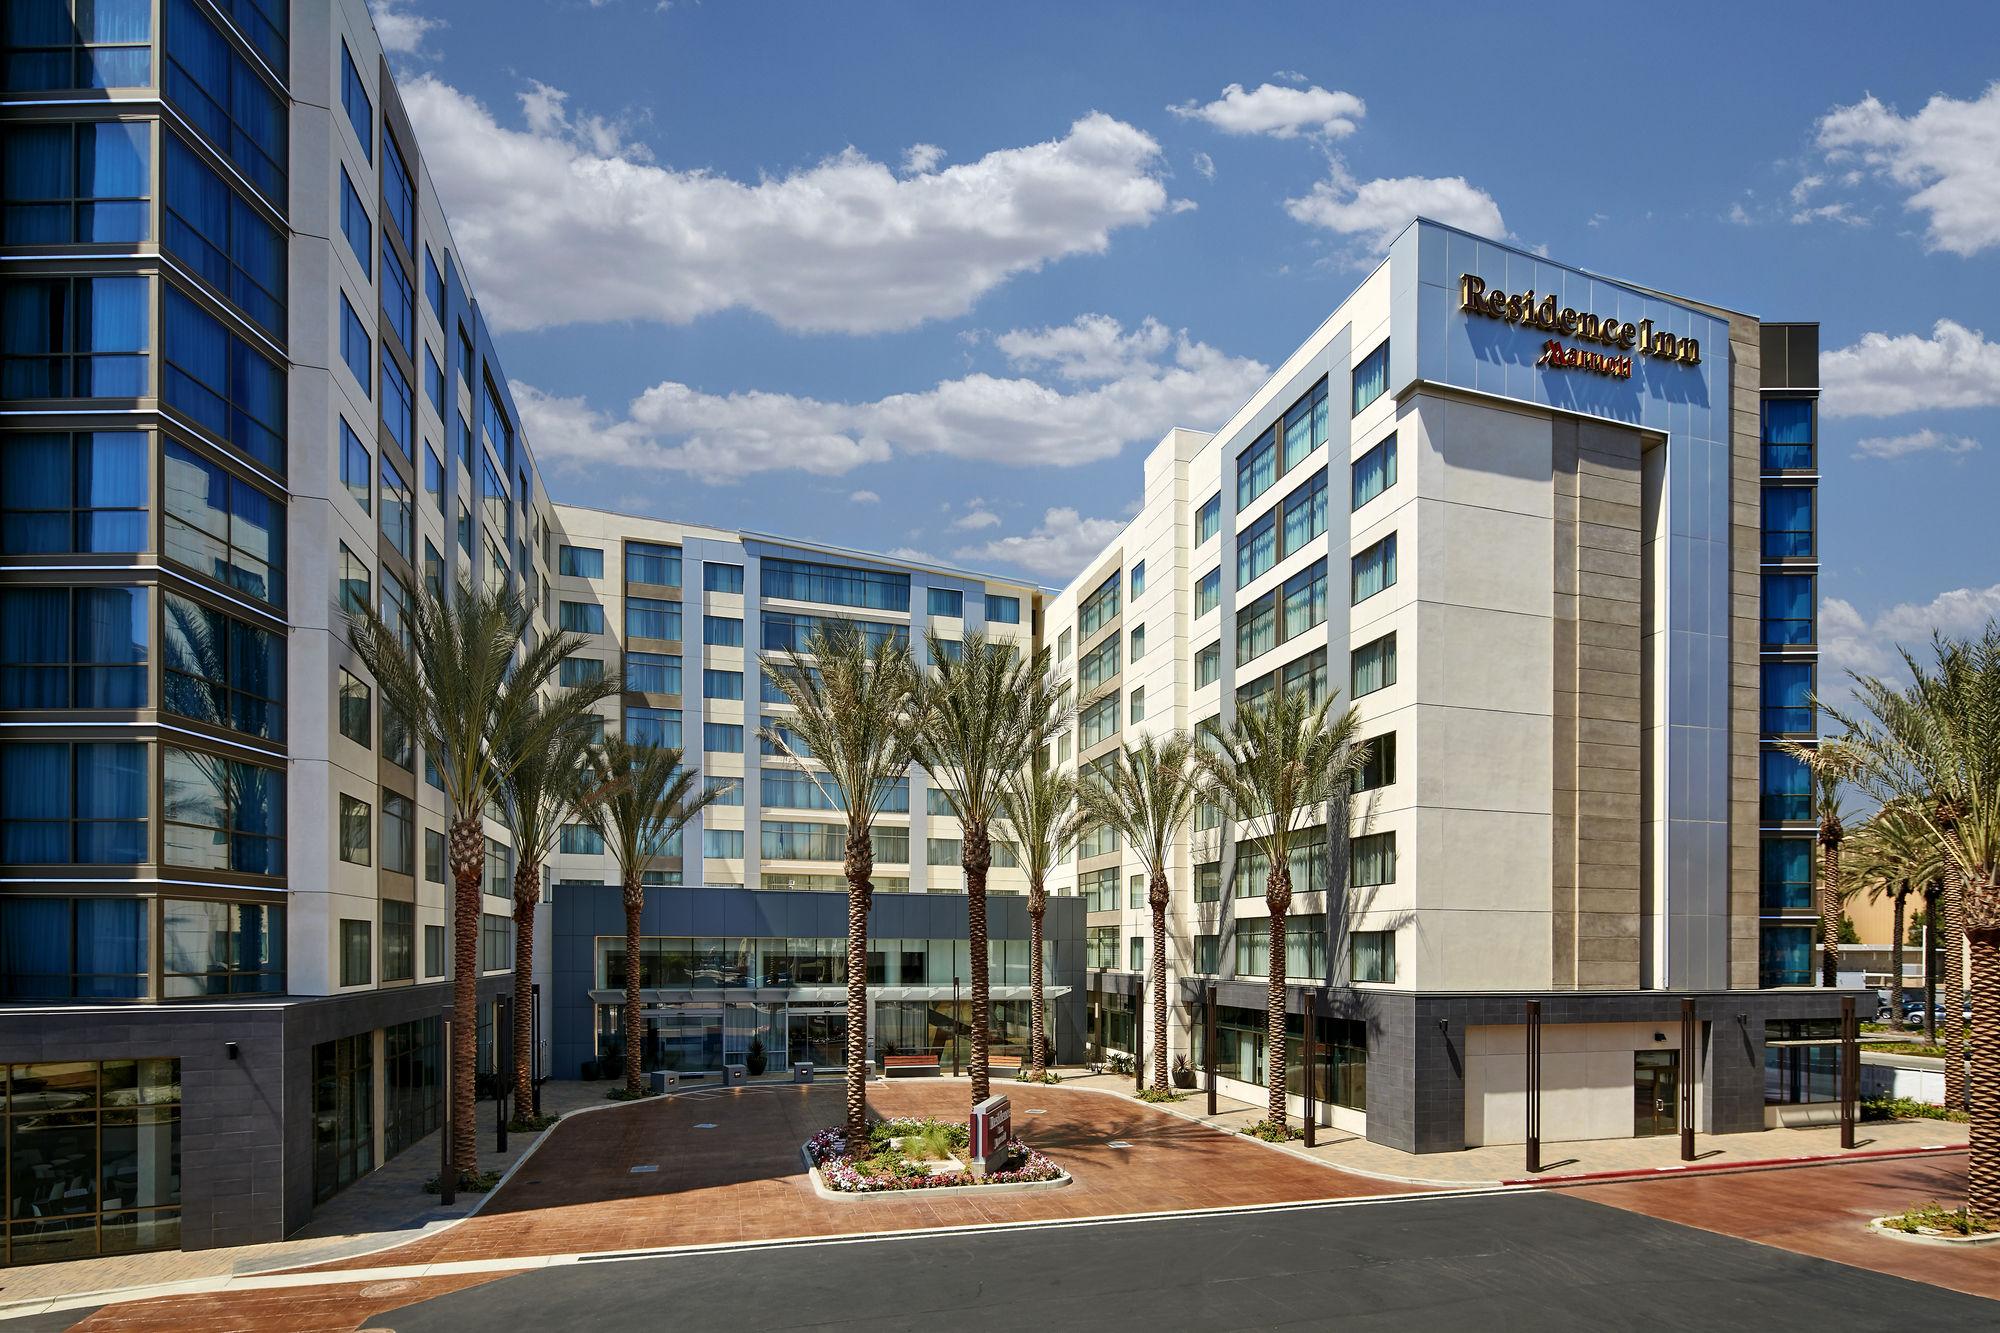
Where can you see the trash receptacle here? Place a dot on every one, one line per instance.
(802, 1072)
(735, 1074)
(664, 1079)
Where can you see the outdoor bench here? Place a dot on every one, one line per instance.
(909, 1065)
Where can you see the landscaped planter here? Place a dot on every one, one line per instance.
(838, 1175)
(1881, 1227)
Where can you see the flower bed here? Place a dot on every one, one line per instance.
(886, 1167)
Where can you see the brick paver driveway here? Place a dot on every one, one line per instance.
(741, 1178)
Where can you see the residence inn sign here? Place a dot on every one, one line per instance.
(1622, 336)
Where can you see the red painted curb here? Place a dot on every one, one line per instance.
(1759, 1164)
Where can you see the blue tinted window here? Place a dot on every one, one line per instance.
(222, 237)
(1785, 956)
(653, 726)
(356, 468)
(433, 284)
(226, 99)
(1788, 434)
(434, 380)
(221, 670)
(653, 673)
(947, 602)
(399, 197)
(1788, 522)
(1208, 521)
(1374, 472)
(1788, 706)
(1785, 877)
(1003, 610)
(222, 814)
(722, 631)
(73, 647)
(360, 107)
(835, 585)
(355, 223)
(219, 381)
(399, 404)
(783, 631)
(649, 562)
(580, 617)
(84, 492)
(357, 349)
(722, 737)
(263, 22)
(222, 526)
(721, 684)
(73, 948)
(66, 804)
(652, 618)
(73, 338)
(581, 562)
(722, 578)
(1371, 377)
(1788, 609)
(399, 299)
(102, 44)
(1785, 787)
(84, 183)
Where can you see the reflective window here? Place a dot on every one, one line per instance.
(222, 814)
(659, 673)
(649, 562)
(1785, 875)
(722, 737)
(221, 236)
(1304, 427)
(1374, 472)
(653, 726)
(1788, 434)
(399, 196)
(82, 804)
(357, 469)
(722, 631)
(722, 578)
(73, 647)
(79, 44)
(399, 405)
(1208, 592)
(1788, 609)
(721, 684)
(226, 100)
(219, 525)
(1003, 610)
(1208, 520)
(73, 948)
(1101, 607)
(1784, 786)
(355, 224)
(794, 632)
(1788, 709)
(580, 617)
(836, 585)
(652, 618)
(74, 337)
(399, 297)
(1788, 522)
(221, 670)
(76, 183)
(359, 106)
(221, 383)
(62, 492)
(1374, 569)
(1208, 665)
(948, 603)
(1371, 376)
(398, 516)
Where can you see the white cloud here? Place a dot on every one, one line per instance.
(1923, 441)
(1946, 158)
(1205, 164)
(1377, 210)
(1838, 211)
(1739, 215)
(921, 157)
(864, 498)
(402, 32)
(1852, 642)
(1124, 388)
(1282, 113)
(1057, 549)
(976, 519)
(1881, 375)
(842, 245)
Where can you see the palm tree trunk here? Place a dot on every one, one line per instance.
(1829, 911)
(860, 892)
(527, 892)
(635, 904)
(1038, 906)
(1157, 900)
(1954, 987)
(1900, 900)
(977, 856)
(1931, 896)
(468, 873)
(1982, 1174)
(1278, 898)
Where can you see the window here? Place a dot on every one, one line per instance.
(1256, 549)
(1208, 592)
(1374, 569)
(1788, 610)
(722, 737)
(355, 951)
(226, 99)
(1373, 859)
(216, 232)
(1003, 610)
(1788, 434)
(1062, 646)
(1257, 629)
(653, 673)
(580, 840)
(728, 791)
(1100, 946)
(355, 835)
(1208, 882)
(434, 857)
(1788, 522)
(1785, 787)
(101, 46)
(1303, 515)
(395, 608)
(722, 631)
(1374, 472)
(1305, 953)
(1097, 666)
(1138, 644)
(1305, 426)
(1100, 608)
(357, 469)
(357, 589)
(74, 338)
(356, 348)
(722, 578)
(221, 670)
(399, 404)
(434, 380)
(399, 930)
(1138, 705)
(1304, 602)
(1785, 875)
(790, 632)
(1137, 950)
(219, 525)
(220, 382)
(1374, 955)
(73, 948)
(355, 223)
(1207, 955)
(73, 647)
(496, 939)
(580, 562)
(1380, 768)
(77, 183)
(360, 108)
(1371, 377)
(652, 618)
(1256, 469)
(209, 948)
(434, 290)
(399, 197)
(1099, 722)
(647, 562)
(465, 529)
(399, 837)
(1208, 665)
(398, 517)
(81, 804)
(653, 726)
(580, 617)
(834, 585)
(1788, 708)
(399, 297)
(717, 684)
(723, 844)
(1208, 519)
(62, 492)
(434, 477)
(222, 814)
(576, 671)
(356, 710)
(948, 603)
(433, 951)
(1372, 666)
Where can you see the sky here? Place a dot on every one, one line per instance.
(932, 279)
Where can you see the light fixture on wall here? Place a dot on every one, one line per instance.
(1659, 1036)
(230, 1046)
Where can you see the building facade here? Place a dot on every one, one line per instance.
(245, 389)
(1576, 520)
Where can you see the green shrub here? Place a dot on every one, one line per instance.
(1906, 1108)
(1158, 1095)
(478, 1184)
(531, 1124)
(1272, 1132)
(1934, 1216)
(625, 1094)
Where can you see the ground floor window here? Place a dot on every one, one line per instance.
(92, 1160)
(944, 1028)
(1340, 1067)
(343, 1112)
(412, 1067)
(1785, 955)
(1801, 1061)
(1110, 1022)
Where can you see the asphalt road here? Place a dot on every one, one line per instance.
(1536, 1262)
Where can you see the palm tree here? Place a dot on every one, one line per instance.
(550, 782)
(1042, 813)
(460, 671)
(1828, 764)
(1934, 745)
(645, 797)
(982, 712)
(1277, 763)
(847, 733)
(1892, 855)
(1147, 793)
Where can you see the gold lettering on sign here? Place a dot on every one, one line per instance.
(1525, 309)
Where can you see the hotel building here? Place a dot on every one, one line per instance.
(245, 386)
(1575, 520)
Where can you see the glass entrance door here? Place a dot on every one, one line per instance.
(1656, 1083)
(820, 1038)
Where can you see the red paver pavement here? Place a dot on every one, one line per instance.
(340, 1308)
(1822, 1210)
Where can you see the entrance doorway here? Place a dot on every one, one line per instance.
(1656, 1082)
(820, 1038)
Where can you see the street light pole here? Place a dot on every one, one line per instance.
(447, 1172)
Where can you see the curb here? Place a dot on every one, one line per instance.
(1725, 1168)
(821, 1188)
(1876, 1225)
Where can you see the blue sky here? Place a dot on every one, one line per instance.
(754, 264)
